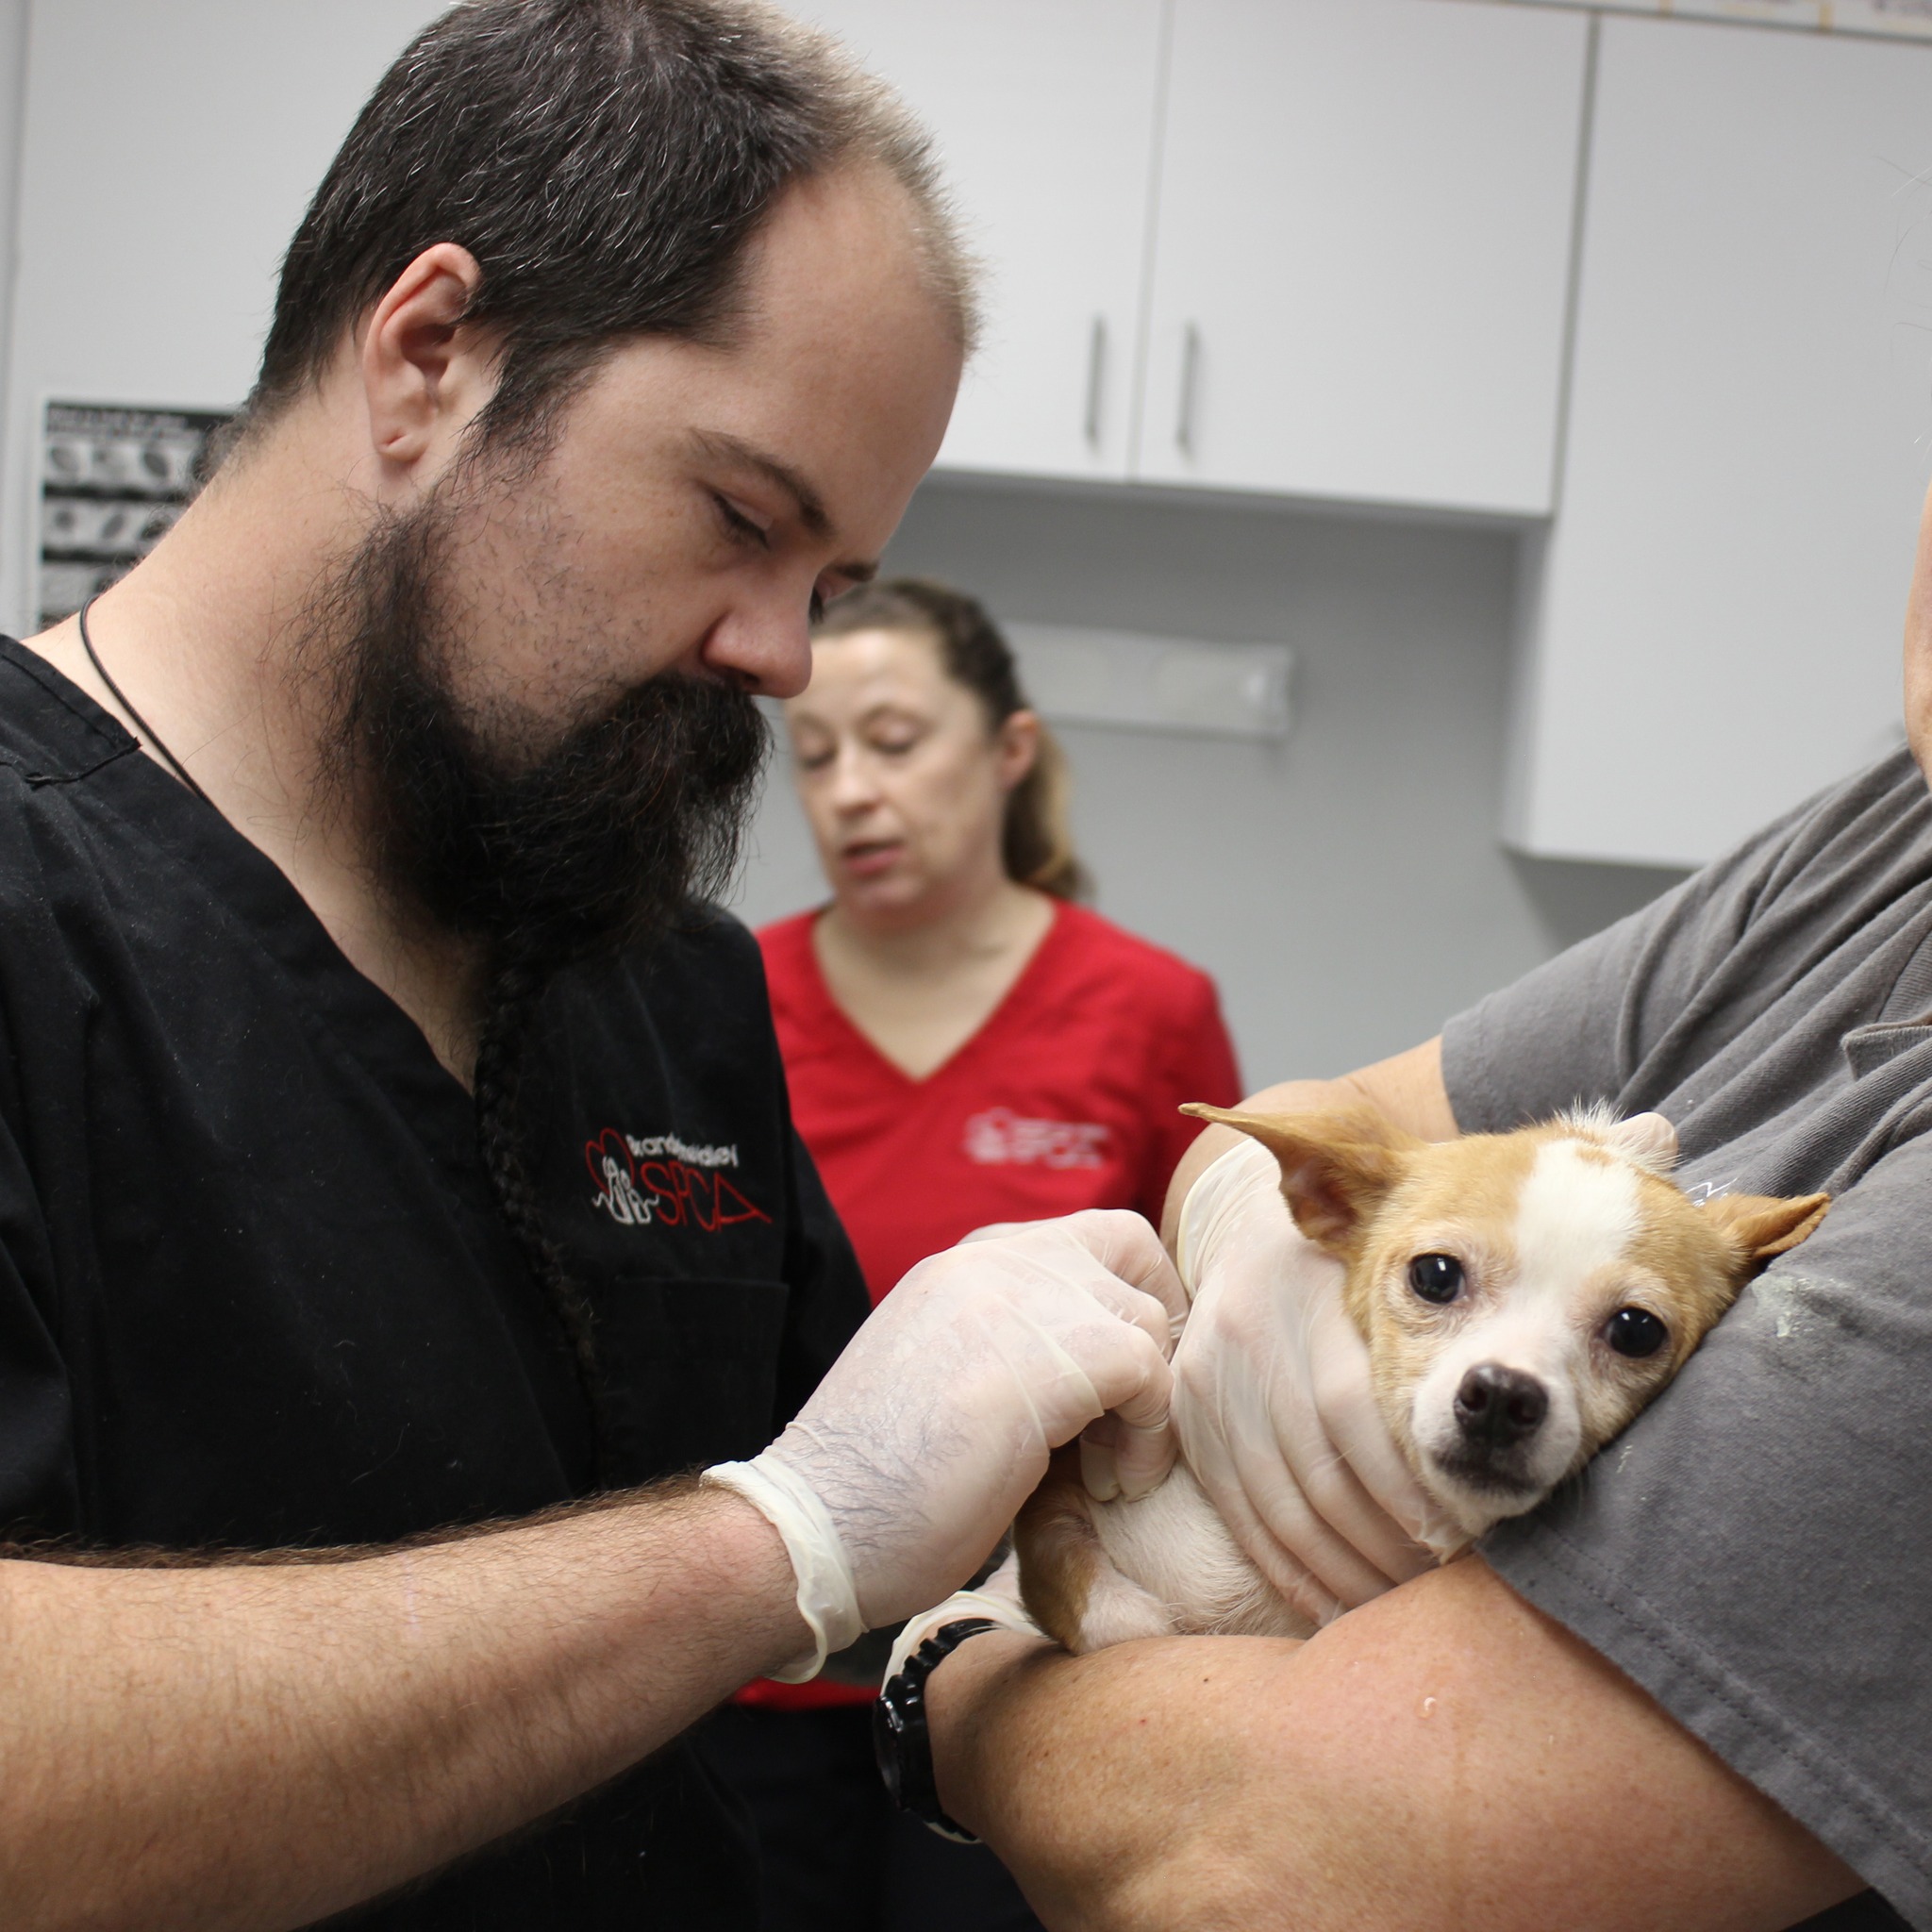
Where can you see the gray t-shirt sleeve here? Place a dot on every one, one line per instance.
(1754, 1552)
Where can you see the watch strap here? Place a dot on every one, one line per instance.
(900, 1740)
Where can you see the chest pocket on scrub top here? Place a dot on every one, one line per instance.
(691, 1369)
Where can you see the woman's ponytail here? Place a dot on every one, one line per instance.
(1037, 842)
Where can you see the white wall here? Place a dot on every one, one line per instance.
(13, 57)
(170, 147)
(1346, 889)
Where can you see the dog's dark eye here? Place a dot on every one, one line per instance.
(1635, 1332)
(1436, 1278)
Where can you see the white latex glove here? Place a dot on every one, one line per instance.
(1273, 1401)
(997, 1600)
(912, 1456)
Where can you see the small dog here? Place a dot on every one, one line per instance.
(1522, 1297)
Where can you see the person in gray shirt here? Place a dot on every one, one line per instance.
(1695, 1690)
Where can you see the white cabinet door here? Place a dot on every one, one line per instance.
(1750, 430)
(1363, 249)
(1044, 113)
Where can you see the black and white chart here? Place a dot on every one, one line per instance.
(112, 482)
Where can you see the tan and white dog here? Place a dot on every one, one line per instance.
(1522, 1297)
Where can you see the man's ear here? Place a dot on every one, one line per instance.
(1336, 1168)
(424, 370)
(1761, 1225)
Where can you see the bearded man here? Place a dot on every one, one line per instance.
(390, 1143)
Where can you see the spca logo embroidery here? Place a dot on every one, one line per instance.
(662, 1181)
(1001, 1138)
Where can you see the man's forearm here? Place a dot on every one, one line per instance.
(257, 1746)
(1443, 1757)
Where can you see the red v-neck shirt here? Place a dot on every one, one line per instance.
(1066, 1097)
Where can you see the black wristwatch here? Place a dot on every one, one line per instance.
(900, 1738)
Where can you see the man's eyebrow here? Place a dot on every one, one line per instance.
(722, 447)
(727, 448)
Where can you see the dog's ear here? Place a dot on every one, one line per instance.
(1761, 1225)
(1336, 1168)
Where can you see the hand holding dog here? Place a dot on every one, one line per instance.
(932, 1428)
(1272, 1402)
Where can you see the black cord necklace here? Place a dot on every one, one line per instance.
(141, 723)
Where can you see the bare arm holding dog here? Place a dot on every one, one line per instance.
(1235, 1783)
(1446, 1756)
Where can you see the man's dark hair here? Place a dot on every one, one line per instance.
(605, 162)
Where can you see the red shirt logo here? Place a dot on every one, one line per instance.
(1001, 1138)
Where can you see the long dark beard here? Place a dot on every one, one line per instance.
(548, 855)
(592, 842)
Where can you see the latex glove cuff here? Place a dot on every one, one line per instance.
(1001, 1608)
(827, 1592)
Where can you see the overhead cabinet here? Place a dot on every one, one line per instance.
(1362, 251)
(1430, 252)
(1716, 631)
(1044, 112)
(1319, 247)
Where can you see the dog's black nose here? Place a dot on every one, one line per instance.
(1496, 1406)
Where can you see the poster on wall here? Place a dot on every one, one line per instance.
(113, 481)
(1907, 20)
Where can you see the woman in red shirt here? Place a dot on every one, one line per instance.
(964, 1044)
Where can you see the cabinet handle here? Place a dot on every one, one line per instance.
(1097, 379)
(1190, 370)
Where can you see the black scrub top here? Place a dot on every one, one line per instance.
(254, 1290)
